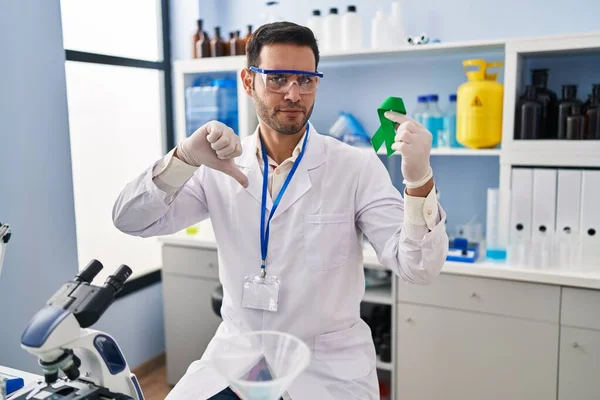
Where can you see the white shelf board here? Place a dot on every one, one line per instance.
(378, 295)
(383, 366)
(366, 56)
(405, 52)
(555, 153)
(462, 152)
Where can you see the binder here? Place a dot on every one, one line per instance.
(568, 203)
(521, 198)
(590, 218)
(543, 210)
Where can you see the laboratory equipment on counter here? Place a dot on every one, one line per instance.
(332, 28)
(575, 125)
(548, 100)
(5, 235)
(433, 118)
(315, 24)
(592, 116)
(396, 26)
(260, 365)
(494, 250)
(420, 109)
(349, 130)
(201, 42)
(380, 32)
(479, 106)
(528, 116)
(91, 362)
(565, 108)
(217, 44)
(461, 250)
(352, 32)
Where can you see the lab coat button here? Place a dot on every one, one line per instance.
(429, 212)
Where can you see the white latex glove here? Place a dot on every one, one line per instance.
(214, 145)
(413, 141)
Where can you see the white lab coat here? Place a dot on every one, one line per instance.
(337, 194)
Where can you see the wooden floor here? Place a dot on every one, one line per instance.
(153, 380)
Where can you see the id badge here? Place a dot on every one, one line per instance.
(261, 293)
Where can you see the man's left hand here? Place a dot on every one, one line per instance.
(413, 141)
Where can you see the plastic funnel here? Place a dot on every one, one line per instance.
(260, 365)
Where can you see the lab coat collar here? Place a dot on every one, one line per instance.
(313, 158)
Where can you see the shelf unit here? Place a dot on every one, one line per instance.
(510, 153)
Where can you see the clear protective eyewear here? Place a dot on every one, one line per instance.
(281, 80)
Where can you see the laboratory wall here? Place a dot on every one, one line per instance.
(36, 190)
(36, 193)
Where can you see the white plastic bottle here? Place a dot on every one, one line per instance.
(352, 32)
(332, 32)
(271, 12)
(315, 24)
(397, 32)
(380, 31)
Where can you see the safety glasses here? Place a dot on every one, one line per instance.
(281, 80)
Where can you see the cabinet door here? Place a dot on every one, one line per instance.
(461, 355)
(190, 322)
(579, 368)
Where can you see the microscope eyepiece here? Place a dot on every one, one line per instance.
(89, 272)
(117, 280)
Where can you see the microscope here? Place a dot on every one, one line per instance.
(92, 364)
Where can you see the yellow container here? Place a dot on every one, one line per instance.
(479, 106)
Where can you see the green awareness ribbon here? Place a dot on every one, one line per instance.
(386, 132)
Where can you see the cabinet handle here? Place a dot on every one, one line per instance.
(211, 265)
(575, 345)
(409, 319)
(474, 295)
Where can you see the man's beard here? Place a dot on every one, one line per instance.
(271, 120)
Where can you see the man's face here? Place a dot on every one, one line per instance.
(286, 113)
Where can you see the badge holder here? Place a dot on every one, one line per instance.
(261, 293)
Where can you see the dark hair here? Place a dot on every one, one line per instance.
(280, 32)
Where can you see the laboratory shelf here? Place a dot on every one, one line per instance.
(383, 366)
(378, 295)
(440, 151)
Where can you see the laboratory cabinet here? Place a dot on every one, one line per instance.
(579, 366)
(455, 354)
(465, 336)
(190, 276)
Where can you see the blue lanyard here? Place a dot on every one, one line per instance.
(264, 233)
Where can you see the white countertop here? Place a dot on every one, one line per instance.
(484, 269)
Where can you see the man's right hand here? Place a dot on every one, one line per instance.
(214, 145)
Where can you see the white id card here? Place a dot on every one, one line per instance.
(261, 293)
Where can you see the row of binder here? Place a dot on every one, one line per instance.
(552, 206)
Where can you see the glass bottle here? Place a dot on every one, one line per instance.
(592, 116)
(549, 102)
(575, 124)
(569, 99)
(249, 34)
(530, 116)
(240, 44)
(217, 45)
(201, 42)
